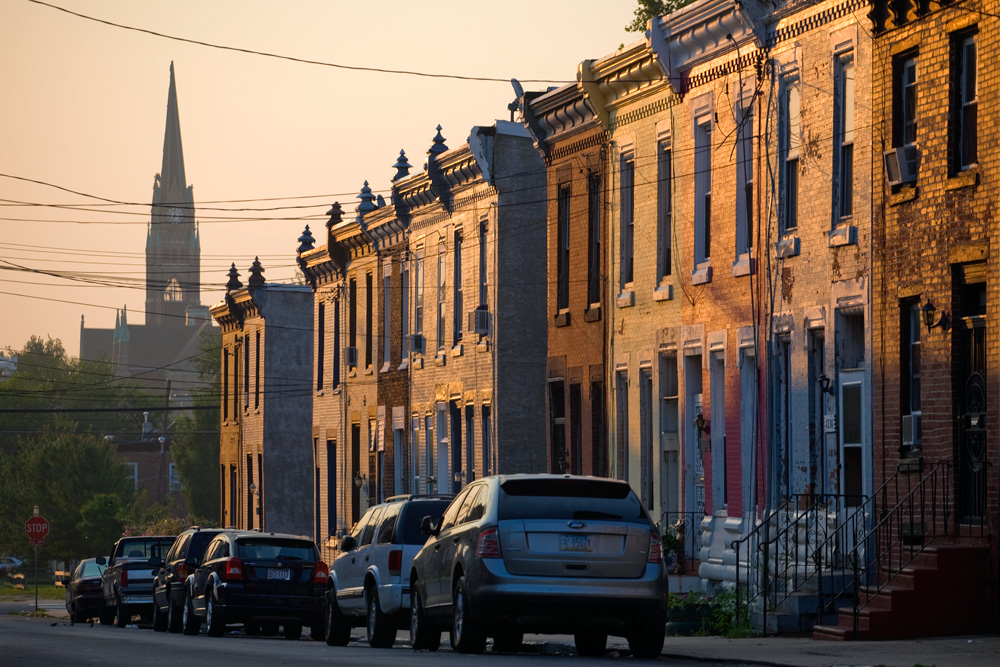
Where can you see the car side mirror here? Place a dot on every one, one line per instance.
(101, 560)
(155, 561)
(427, 526)
(348, 543)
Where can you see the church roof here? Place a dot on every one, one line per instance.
(172, 171)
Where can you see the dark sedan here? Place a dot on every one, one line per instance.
(83, 591)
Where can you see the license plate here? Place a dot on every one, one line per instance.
(281, 573)
(575, 543)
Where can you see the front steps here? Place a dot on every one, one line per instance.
(942, 592)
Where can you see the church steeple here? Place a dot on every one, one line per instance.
(173, 247)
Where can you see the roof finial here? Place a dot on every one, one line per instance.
(306, 241)
(402, 166)
(256, 278)
(234, 279)
(438, 146)
(366, 205)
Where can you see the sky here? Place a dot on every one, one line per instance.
(83, 108)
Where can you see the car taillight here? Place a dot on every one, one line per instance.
(489, 544)
(321, 573)
(182, 571)
(124, 578)
(234, 569)
(395, 562)
(655, 548)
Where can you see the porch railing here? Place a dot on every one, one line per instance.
(686, 527)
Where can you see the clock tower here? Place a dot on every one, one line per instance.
(173, 248)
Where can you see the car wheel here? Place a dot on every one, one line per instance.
(73, 618)
(381, 632)
(175, 617)
(466, 635)
(159, 618)
(214, 619)
(337, 631)
(508, 641)
(292, 630)
(106, 615)
(423, 635)
(647, 642)
(190, 625)
(591, 644)
(122, 616)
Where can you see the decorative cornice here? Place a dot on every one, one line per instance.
(658, 105)
(621, 78)
(779, 32)
(567, 149)
(552, 116)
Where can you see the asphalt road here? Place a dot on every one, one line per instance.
(51, 641)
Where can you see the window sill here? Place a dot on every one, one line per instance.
(386, 367)
(483, 345)
(663, 293)
(904, 194)
(626, 299)
(842, 234)
(702, 274)
(787, 247)
(963, 179)
(439, 358)
(319, 392)
(369, 370)
(561, 319)
(406, 364)
(744, 265)
(352, 372)
(418, 363)
(593, 313)
(457, 350)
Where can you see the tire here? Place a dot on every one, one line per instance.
(106, 615)
(292, 630)
(74, 616)
(190, 625)
(159, 618)
(175, 616)
(466, 634)
(122, 616)
(647, 643)
(423, 635)
(214, 618)
(508, 641)
(381, 631)
(337, 631)
(591, 644)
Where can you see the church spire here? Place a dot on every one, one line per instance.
(173, 182)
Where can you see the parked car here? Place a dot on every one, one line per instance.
(256, 578)
(83, 591)
(369, 582)
(543, 554)
(127, 584)
(9, 564)
(181, 560)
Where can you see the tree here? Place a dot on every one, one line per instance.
(648, 9)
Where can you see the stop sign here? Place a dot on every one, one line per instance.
(36, 528)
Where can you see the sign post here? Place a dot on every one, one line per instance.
(36, 528)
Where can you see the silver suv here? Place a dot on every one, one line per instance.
(369, 582)
(550, 554)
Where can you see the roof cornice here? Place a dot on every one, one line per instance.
(620, 78)
(557, 115)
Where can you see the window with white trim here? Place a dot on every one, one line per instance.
(791, 137)
(843, 153)
(703, 189)
(965, 82)
(664, 212)
(627, 194)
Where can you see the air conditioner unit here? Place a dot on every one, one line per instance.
(479, 322)
(351, 357)
(911, 429)
(418, 344)
(901, 164)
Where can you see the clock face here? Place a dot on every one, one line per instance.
(174, 214)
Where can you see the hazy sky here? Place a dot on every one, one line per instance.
(83, 107)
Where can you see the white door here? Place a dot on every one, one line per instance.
(855, 438)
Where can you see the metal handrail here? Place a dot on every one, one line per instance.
(686, 527)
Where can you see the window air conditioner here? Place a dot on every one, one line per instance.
(911, 429)
(418, 344)
(901, 164)
(479, 322)
(351, 357)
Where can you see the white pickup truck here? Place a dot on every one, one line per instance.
(127, 585)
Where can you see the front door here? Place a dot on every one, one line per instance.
(855, 441)
(970, 337)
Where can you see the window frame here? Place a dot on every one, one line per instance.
(791, 141)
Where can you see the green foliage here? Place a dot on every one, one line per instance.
(100, 523)
(648, 9)
(723, 616)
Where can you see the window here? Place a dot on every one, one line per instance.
(331, 487)
(458, 308)
(320, 343)
(175, 478)
(909, 387)
(486, 439)
(173, 291)
(225, 384)
(557, 424)
(621, 426)
(594, 239)
(442, 286)
(387, 318)
(744, 181)
(352, 316)
(470, 443)
(414, 456)
(562, 248)
(418, 294)
(627, 179)
(336, 342)
(404, 311)
(664, 210)
(905, 100)
(843, 152)
(246, 371)
(429, 477)
(132, 473)
(369, 320)
(965, 82)
(256, 372)
(703, 190)
(791, 133)
(483, 267)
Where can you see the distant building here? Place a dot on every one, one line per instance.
(150, 468)
(163, 348)
(8, 366)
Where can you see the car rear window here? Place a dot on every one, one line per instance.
(408, 525)
(258, 549)
(91, 569)
(154, 546)
(199, 541)
(575, 499)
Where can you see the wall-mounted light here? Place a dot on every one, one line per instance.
(825, 384)
(700, 423)
(359, 479)
(928, 312)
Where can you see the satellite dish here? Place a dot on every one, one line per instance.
(516, 104)
(518, 90)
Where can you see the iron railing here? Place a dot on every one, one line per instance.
(686, 528)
